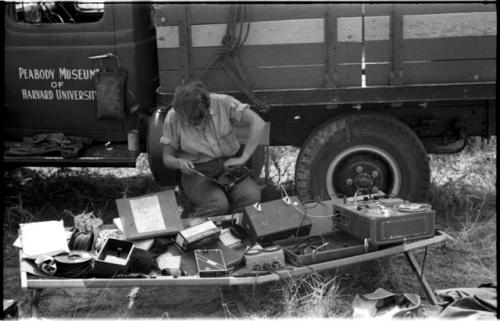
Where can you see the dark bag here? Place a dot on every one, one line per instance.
(110, 91)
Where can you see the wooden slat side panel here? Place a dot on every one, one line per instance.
(433, 8)
(290, 31)
(378, 74)
(166, 14)
(268, 78)
(376, 28)
(378, 51)
(219, 13)
(449, 25)
(449, 71)
(251, 56)
(378, 44)
(450, 48)
(378, 9)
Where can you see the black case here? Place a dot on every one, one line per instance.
(340, 245)
(275, 221)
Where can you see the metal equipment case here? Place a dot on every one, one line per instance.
(381, 225)
(276, 220)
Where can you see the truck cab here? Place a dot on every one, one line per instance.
(50, 80)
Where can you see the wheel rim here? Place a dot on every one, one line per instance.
(354, 169)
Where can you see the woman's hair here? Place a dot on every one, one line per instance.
(191, 99)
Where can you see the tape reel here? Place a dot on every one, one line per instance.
(73, 257)
(413, 207)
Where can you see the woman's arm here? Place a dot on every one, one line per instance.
(171, 161)
(256, 127)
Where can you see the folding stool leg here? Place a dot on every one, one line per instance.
(429, 292)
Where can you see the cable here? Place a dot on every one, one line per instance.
(81, 241)
(286, 199)
(228, 54)
(76, 264)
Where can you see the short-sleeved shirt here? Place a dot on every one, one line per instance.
(213, 139)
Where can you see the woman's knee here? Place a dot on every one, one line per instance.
(213, 206)
(219, 205)
(253, 196)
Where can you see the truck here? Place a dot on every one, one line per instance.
(366, 91)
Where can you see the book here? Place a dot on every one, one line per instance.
(150, 215)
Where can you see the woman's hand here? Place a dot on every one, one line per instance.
(186, 166)
(235, 162)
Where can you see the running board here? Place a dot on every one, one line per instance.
(95, 156)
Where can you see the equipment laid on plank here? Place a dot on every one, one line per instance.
(320, 248)
(197, 236)
(113, 258)
(210, 262)
(269, 258)
(276, 220)
(149, 215)
(383, 224)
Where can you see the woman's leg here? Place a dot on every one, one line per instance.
(208, 198)
(243, 194)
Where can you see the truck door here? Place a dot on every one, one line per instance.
(49, 81)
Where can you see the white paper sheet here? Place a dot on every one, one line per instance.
(43, 238)
(147, 214)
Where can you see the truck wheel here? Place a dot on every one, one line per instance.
(161, 174)
(367, 152)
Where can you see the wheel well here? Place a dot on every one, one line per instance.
(433, 122)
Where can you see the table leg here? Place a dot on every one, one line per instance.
(429, 293)
(35, 300)
(132, 296)
(231, 296)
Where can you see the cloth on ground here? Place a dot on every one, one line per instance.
(384, 304)
(477, 303)
(48, 144)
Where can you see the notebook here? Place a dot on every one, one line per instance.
(150, 215)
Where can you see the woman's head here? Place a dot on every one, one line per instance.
(192, 101)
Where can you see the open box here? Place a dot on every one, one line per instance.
(321, 248)
(113, 258)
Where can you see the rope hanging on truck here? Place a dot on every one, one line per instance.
(228, 55)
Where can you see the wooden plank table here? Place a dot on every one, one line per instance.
(37, 283)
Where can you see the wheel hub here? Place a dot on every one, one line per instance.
(362, 172)
(363, 181)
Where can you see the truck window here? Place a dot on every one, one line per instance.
(58, 12)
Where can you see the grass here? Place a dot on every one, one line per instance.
(462, 192)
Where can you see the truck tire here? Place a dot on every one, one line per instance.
(359, 152)
(161, 174)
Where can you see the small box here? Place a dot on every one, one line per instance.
(210, 263)
(276, 220)
(268, 258)
(225, 221)
(114, 257)
(197, 236)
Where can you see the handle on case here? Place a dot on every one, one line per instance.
(105, 56)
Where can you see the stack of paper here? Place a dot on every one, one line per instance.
(43, 238)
